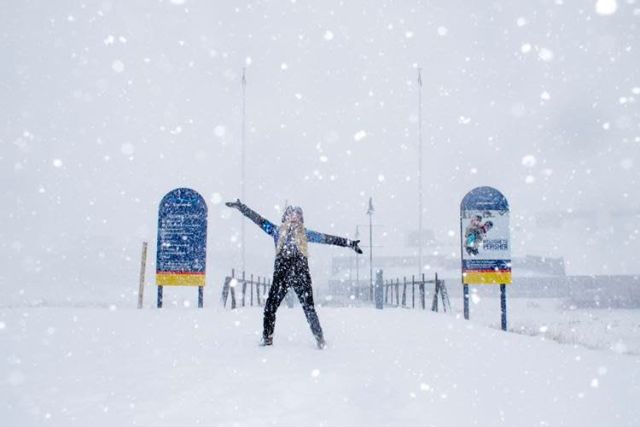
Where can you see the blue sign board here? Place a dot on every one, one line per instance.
(486, 247)
(182, 239)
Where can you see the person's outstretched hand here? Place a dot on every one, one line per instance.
(235, 204)
(355, 247)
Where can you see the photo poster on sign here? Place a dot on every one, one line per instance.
(182, 239)
(486, 251)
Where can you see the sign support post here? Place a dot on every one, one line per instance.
(503, 306)
(465, 296)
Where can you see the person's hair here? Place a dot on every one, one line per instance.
(292, 209)
(299, 234)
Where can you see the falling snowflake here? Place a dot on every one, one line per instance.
(360, 135)
(529, 161)
(606, 7)
(220, 131)
(545, 54)
(127, 149)
(117, 66)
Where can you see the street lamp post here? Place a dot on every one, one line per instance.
(242, 164)
(420, 239)
(357, 265)
(370, 213)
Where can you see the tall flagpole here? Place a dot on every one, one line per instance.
(357, 260)
(420, 238)
(242, 165)
(370, 213)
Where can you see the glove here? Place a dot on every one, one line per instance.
(235, 204)
(353, 244)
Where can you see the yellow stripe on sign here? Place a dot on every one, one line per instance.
(487, 278)
(169, 279)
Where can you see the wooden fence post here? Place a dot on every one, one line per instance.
(434, 303)
(384, 294)
(404, 291)
(251, 289)
(232, 289)
(413, 291)
(258, 291)
(244, 287)
(143, 266)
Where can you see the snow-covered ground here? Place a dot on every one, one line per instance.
(181, 366)
(617, 330)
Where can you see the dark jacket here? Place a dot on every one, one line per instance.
(274, 231)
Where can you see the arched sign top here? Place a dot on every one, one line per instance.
(183, 199)
(484, 198)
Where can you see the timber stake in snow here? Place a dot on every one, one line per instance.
(143, 264)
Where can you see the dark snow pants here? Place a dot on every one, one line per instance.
(291, 272)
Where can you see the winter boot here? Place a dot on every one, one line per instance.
(266, 341)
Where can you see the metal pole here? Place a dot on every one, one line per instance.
(143, 264)
(465, 287)
(159, 296)
(357, 267)
(242, 165)
(370, 213)
(503, 306)
(465, 297)
(420, 242)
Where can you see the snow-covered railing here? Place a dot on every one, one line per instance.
(392, 288)
(258, 288)
(398, 292)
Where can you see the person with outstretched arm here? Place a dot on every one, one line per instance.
(291, 268)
